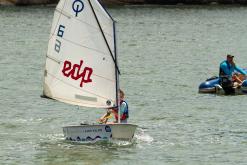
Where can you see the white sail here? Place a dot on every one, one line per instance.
(81, 64)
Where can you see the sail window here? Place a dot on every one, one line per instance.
(93, 99)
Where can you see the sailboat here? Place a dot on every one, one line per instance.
(82, 69)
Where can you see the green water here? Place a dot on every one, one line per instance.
(164, 54)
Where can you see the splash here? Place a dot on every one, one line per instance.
(142, 136)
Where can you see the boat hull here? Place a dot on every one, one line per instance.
(212, 86)
(99, 132)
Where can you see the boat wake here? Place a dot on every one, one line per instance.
(142, 136)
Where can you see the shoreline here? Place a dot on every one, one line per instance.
(130, 2)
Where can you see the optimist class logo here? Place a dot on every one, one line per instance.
(76, 72)
(77, 6)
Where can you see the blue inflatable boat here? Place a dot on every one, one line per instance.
(212, 85)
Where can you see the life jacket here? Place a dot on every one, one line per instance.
(125, 114)
(221, 72)
(225, 81)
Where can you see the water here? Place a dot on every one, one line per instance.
(165, 53)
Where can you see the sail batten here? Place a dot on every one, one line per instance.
(56, 60)
(81, 61)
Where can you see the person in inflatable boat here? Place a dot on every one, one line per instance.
(231, 76)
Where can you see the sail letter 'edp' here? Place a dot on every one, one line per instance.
(74, 72)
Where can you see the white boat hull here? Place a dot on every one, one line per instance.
(100, 132)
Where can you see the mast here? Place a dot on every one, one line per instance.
(117, 73)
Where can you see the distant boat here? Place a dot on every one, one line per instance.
(212, 85)
(81, 66)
